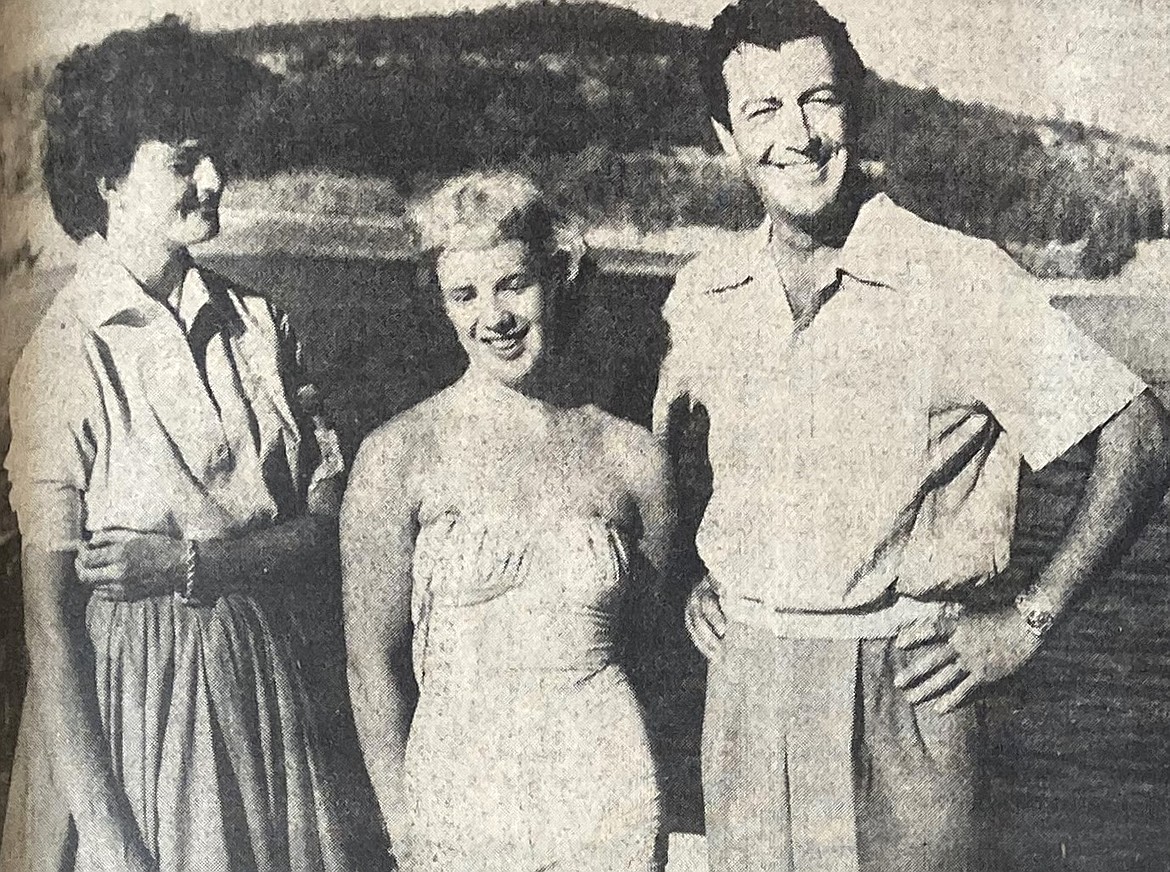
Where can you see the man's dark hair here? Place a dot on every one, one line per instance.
(771, 24)
(164, 82)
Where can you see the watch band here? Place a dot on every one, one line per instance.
(1037, 618)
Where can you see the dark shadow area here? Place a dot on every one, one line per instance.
(1080, 739)
(374, 345)
(622, 342)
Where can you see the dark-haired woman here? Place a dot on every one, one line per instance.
(171, 492)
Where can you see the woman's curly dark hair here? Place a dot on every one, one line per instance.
(164, 82)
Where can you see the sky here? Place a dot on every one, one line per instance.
(1103, 62)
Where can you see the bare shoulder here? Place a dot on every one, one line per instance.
(633, 449)
(404, 447)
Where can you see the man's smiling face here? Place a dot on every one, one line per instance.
(789, 130)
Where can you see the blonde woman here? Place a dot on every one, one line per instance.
(494, 540)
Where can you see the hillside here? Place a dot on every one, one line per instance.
(604, 107)
(541, 82)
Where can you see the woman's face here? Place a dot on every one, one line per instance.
(497, 300)
(170, 191)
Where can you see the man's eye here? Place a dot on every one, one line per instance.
(461, 295)
(825, 98)
(760, 111)
(517, 285)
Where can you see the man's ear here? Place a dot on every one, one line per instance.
(106, 188)
(726, 140)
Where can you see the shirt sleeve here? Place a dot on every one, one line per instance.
(1046, 382)
(674, 396)
(53, 400)
(681, 420)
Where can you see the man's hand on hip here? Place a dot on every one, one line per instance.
(951, 659)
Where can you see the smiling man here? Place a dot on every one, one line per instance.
(870, 384)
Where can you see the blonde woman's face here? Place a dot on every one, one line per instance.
(497, 302)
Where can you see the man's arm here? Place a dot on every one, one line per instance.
(1127, 481)
(681, 424)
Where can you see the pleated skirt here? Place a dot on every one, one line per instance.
(211, 739)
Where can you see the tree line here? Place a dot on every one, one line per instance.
(604, 106)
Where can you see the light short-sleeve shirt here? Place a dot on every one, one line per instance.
(877, 449)
(128, 415)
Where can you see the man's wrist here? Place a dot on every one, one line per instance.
(1038, 611)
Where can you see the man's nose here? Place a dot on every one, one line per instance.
(207, 177)
(793, 127)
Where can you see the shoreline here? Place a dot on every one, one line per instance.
(251, 231)
(620, 248)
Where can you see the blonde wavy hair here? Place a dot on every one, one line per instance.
(486, 208)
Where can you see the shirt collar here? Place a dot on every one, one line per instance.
(868, 255)
(104, 291)
(191, 297)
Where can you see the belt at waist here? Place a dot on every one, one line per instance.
(879, 623)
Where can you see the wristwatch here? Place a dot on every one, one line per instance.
(1037, 618)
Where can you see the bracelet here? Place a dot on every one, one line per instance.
(190, 565)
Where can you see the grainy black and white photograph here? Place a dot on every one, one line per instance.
(582, 436)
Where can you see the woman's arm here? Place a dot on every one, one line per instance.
(127, 566)
(652, 484)
(378, 527)
(62, 692)
(265, 555)
(53, 408)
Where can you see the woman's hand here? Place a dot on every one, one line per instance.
(127, 566)
(952, 658)
(706, 623)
